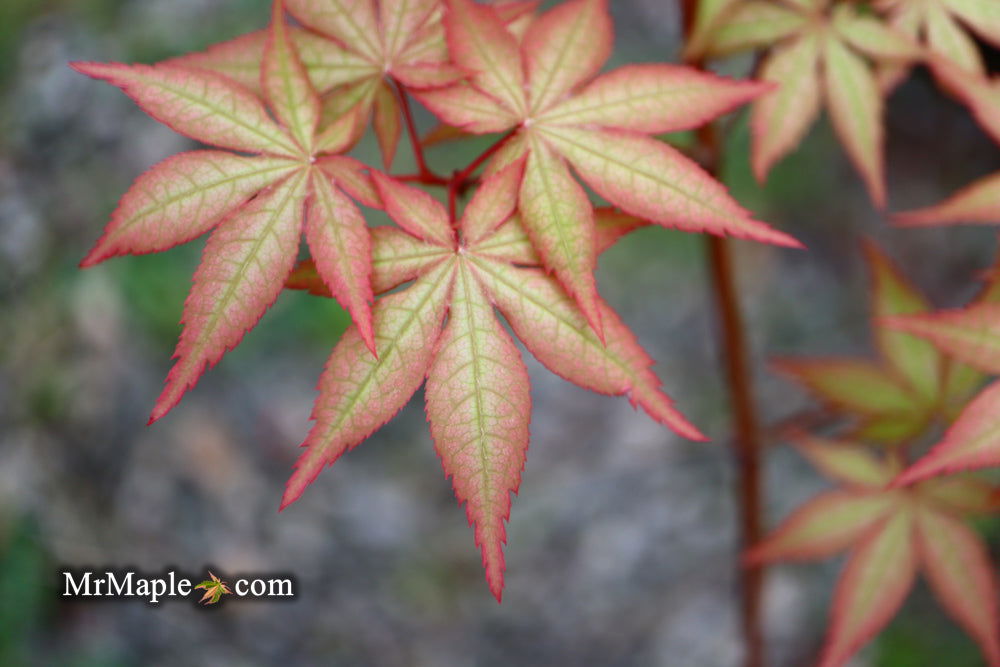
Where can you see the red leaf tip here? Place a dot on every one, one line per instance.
(95, 70)
(307, 469)
(922, 470)
(688, 430)
(495, 566)
(781, 239)
(96, 255)
(157, 414)
(915, 218)
(287, 499)
(752, 89)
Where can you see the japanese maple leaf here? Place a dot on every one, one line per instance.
(385, 41)
(259, 205)
(892, 534)
(981, 94)
(708, 18)
(354, 51)
(952, 55)
(977, 203)
(542, 90)
(215, 588)
(971, 335)
(897, 397)
(821, 52)
(941, 26)
(477, 394)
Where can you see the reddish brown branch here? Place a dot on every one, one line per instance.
(464, 175)
(460, 180)
(422, 179)
(747, 440)
(452, 201)
(425, 175)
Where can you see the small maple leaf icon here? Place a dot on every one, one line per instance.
(215, 588)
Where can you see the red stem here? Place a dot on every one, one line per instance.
(746, 446)
(425, 174)
(453, 202)
(460, 180)
(422, 179)
(462, 177)
(746, 441)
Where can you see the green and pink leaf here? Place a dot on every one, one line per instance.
(971, 334)
(494, 202)
(655, 182)
(958, 566)
(824, 526)
(845, 462)
(653, 99)
(876, 580)
(359, 393)
(479, 406)
(415, 211)
(353, 23)
(341, 249)
(286, 83)
(780, 119)
(479, 42)
(555, 330)
(915, 360)
(852, 385)
(855, 105)
(244, 267)
(559, 220)
(565, 47)
(978, 203)
(202, 105)
(183, 197)
(972, 442)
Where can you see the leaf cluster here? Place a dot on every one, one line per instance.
(435, 297)
(895, 520)
(282, 106)
(849, 57)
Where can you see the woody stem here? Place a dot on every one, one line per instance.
(746, 445)
(460, 180)
(424, 174)
(462, 177)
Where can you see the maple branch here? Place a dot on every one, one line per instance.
(746, 446)
(463, 176)
(453, 202)
(424, 174)
(461, 180)
(422, 179)
(746, 441)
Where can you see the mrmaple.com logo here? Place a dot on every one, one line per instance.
(134, 585)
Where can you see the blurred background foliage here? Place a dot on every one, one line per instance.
(622, 539)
